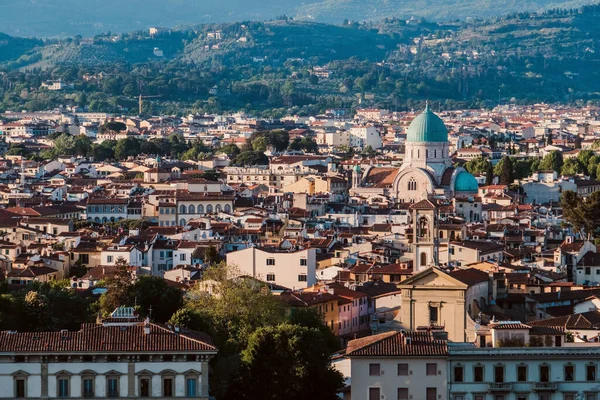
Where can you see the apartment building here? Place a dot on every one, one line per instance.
(291, 269)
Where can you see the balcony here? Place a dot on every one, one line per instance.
(545, 386)
(500, 387)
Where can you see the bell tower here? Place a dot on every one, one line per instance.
(425, 245)
(356, 176)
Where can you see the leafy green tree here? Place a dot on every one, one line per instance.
(259, 144)
(477, 165)
(571, 166)
(231, 150)
(119, 286)
(236, 308)
(592, 166)
(305, 143)
(291, 360)
(41, 307)
(127, 147)
(553, 161)
(211, 255)
(64, 145)
(250, 158)
(153, 293)
(104, 151)
(82, 145)
(112, 126)
(311, 318)
(582, 213)
(584, 157)
(78, 269)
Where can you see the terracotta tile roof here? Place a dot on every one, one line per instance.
(586, 320)
(470, 276)
(571, 247)
(508, 325)
(423, 205)
(306, 299)
(98, 338)
(398, 344)
(380, 177)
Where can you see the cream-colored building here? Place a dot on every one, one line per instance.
(433, 298)
(317, 184)
(398, 365)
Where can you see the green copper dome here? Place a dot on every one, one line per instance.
(356, 168)
(465, 182)
(427, 127)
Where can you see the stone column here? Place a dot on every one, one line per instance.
(131, 378)
(204, 382)
(44, 379)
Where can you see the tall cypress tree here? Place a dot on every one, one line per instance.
(506, 177)
(489, 174)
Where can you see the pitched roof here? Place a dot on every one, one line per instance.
(398, 344)
(470, 276)
(98, 338)
(423, 205)
(586, 320)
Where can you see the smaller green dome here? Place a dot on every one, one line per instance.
(465, 182)
(427, 128)
(356, 168)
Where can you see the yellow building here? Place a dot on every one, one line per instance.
(434, 299)
(323, 301)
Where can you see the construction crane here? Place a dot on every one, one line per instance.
(141, 101)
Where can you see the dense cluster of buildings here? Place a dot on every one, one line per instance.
(415, 263)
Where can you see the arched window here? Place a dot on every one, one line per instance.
(218, 208)
(434, 153)
(104, 220)
(182, 209)
(426, 153)
(209, 208)
(227, 208)
(441, 234)
(412, 184)
(200, 209)
(182, 222)
(191, 209)
(423, 259)
(452, 235)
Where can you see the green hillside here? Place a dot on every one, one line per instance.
(270, 67)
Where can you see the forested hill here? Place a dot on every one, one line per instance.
(284, 65)
(60, 18)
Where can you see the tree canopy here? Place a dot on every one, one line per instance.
(291, 360)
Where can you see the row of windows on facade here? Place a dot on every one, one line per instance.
(191, 209)
(431, 394)
(106, 209)
(271, 261)
(271, 278)
(435, 153)
(522, 372)
(255, 178)
(88, 387)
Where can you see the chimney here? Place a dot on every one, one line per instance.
(147, 326)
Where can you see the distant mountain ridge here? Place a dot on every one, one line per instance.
(52, 18)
